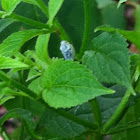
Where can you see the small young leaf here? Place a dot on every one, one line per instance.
(9, 6)
(109, 59)
(54, 6)
(120, 2)
(33, 73)
(8, 63)
(15, 41)
(42, 47)
(35, 86)
(132, 36)
(67, 84)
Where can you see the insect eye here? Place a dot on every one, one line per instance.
(67, 50)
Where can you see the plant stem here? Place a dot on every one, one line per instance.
(28, 21)
(17, 85)
(32, 95)
(97, 118)
(118, 112)
(23, 106)
(43, 7)
(21, 131)
(96, 112)
(59, 29)
(71, 117)
(87, 28)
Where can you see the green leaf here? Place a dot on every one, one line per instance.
(137, 19)
(33, 73)
(4, 99)
(66, 83)
(1, 14)
(8, 63)
(132, 36)
(52, 124)
(9, 6)
(120, 2)
(9, 92)
(42, 48)
(25, 116)
(109, 59)
(15, 41)
(35, 86)
(54, 7)
(4, 23)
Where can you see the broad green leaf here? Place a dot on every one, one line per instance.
(33, 73)
(54, 7)
(109, 59)
(54, 125)
(4, 23)
(42, 47)
(120, 2)
(24, 115)
(66, 82)
(132, 36)
(9, 6)
(137, 19)
(15, 41)
(8, 63)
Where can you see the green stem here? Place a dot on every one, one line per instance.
(17, 85)
(43, 7)
(21, 131)
(58, 28)
(23, 106)
(96, 112)
(71, 117)
(60, 31)
(28, 21)
(87, 28)
(30, 93)
(97, 118)
(118, 112)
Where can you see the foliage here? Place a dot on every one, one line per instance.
(86, 98)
